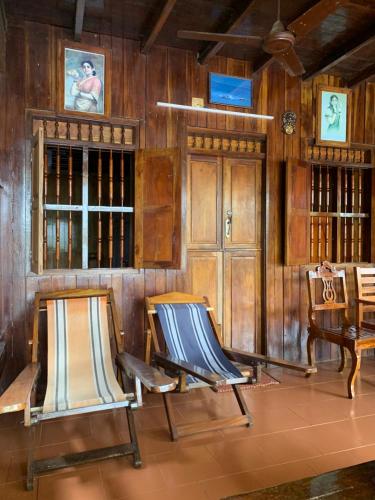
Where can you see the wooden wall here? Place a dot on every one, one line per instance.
(137, 83)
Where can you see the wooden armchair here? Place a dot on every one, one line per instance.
(325, 285)
(364, 279)
(83, 337)
(193, 354)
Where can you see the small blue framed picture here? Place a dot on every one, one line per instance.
(230, 90)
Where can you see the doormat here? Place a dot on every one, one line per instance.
(265, 380)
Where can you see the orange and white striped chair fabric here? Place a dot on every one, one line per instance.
(80, 369)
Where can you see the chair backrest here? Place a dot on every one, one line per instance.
(175, 298)
(364, 279)
(189, 331)
(326, 286)
(40, 306)
(80, 370)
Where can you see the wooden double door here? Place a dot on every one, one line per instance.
(224, 243)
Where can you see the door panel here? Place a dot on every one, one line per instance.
(206, 278)
(242, 299)
(204, 202)
(242, 203)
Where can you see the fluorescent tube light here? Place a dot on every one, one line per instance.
(212, 110)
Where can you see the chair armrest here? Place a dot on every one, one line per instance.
(148, 375)
(366, 301)
(17, 396)
(172, 363)
(250, 358)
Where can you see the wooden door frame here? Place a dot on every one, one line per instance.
(261, 343)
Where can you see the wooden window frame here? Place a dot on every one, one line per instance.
(85, 208)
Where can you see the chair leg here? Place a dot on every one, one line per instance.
(242, 404)
(30, 459)
(310, 352)
(137, 462)
(170, 416)
(356, 365)
(343, 358)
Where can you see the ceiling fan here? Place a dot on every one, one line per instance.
(279, 43)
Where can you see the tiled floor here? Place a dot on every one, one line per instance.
(303, 427)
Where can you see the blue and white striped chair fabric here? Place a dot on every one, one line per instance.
(189, 337)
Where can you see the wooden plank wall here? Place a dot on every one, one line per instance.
(137, 83)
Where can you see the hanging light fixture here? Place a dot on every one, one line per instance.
(212, 110)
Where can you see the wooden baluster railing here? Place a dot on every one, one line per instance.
(360, 184)
(99, 249)
(312, 241)
(345, 218)
(328, 188)
(58, 172)
(70, 200)
(110, 229)
(320, 186)
(122, 221)
(45, 187)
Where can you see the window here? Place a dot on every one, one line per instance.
(340, 214)
(98, 201)
(329, 210)
(88, 207)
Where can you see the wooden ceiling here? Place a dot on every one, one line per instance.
(341, 43)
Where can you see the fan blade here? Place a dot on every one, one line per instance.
(290, 62)
(218, 37)
(314, 16)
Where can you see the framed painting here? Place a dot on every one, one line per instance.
(84, 80)
(333, 116)
(230, 90)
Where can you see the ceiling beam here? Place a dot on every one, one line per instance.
(303, 24)
(212, 49)
(362, 76)
(78, 20)
(312, 17)
(161, 20)
(337, 57)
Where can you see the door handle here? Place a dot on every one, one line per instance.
(228, 223)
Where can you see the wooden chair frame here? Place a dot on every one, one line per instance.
(347, 336)
(249, 365)
(364, 280)
(132, 372)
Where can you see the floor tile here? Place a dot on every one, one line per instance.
(82, 484)
(186, 492)
(121, 480)
(239, 455)
(333, 461)
(189, 465)
(58, 431)
(17, 491)
(287, 446)
(232, 484)
(278, 474)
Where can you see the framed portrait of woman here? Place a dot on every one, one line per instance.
(84, 80)
(333, 116)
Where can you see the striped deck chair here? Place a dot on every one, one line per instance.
(194, 356)
(82, 341)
